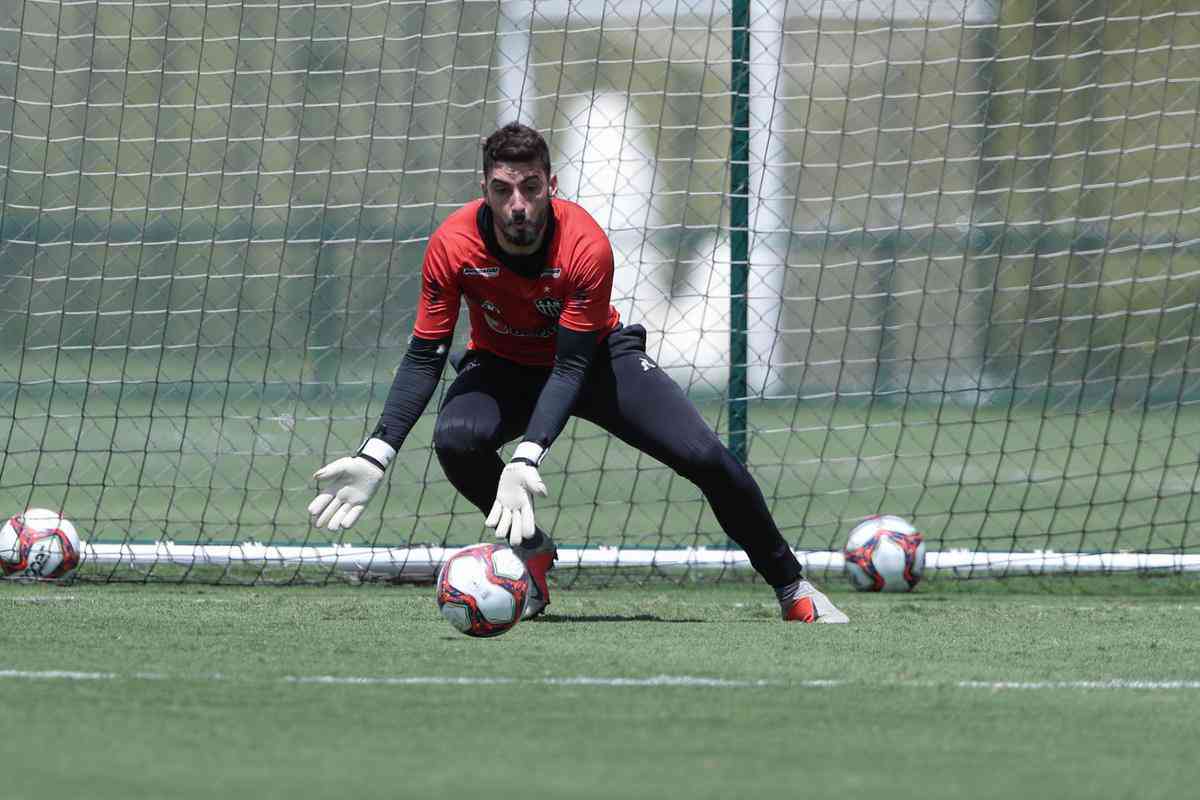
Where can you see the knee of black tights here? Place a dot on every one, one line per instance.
(710, 461)
(457, 438)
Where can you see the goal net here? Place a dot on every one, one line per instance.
(933, 258)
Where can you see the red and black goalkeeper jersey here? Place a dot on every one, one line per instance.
(513, 315)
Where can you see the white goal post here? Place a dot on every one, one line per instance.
(418, 564)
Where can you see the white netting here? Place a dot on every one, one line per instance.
(973, 285)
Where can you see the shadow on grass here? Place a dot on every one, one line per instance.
(560, 618)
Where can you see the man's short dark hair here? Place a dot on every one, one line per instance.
(517, 143)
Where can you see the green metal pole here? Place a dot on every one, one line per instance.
(739, 227)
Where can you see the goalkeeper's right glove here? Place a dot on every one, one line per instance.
(353, 480)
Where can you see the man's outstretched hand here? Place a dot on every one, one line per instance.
(351, 481)
(512, 513)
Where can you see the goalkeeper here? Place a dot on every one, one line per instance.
(536, 273)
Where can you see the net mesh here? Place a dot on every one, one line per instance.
(973, 281)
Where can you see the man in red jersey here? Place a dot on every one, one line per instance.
(546, 343)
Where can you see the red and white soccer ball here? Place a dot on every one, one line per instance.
(481, 589)
(884, 554)
(39, 543)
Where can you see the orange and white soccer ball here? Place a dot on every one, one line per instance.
(39, 543)
(884, 554)
(481, 589)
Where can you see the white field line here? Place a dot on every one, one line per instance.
(670, 681)
(658, 680)
(1119, 683)
(59, 675)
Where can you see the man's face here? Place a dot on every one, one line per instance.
(519, 195)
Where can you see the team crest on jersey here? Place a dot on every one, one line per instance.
(480, 272)
(549, 306)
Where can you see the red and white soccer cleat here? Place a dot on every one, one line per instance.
(808, 605)
(538, 561)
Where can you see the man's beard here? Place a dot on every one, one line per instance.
(524, 235)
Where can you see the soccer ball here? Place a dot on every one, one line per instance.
(39, 543)
(884, 554)
(481, 589)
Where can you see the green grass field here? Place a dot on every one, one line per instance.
(1061, 688)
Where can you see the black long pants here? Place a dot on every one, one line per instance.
(492, 399)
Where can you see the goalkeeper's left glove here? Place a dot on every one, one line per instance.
(512, 513)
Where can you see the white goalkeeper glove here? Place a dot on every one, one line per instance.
(353, 480)
(512, 513)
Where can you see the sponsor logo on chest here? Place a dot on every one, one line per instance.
(480, 272)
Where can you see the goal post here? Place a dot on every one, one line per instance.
(932, 258)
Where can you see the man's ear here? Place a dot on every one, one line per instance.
(483, 187)
(553, 184)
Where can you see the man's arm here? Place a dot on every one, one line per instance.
(584, 319)
(581, 324)
(352, 480)
(573, 357)
(415, 382)
(512, 513)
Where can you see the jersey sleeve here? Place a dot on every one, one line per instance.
(589, 299)
(437, 308)
(572, 357)
(414, 384)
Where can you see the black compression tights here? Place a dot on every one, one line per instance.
(491, 400)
